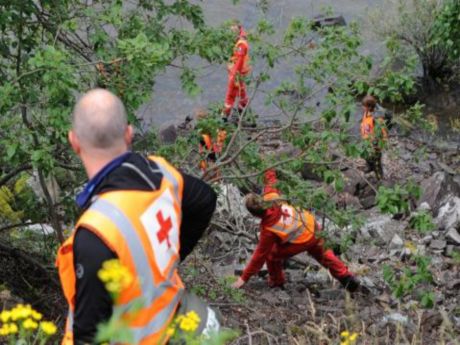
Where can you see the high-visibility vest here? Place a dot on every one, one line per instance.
(246, 68)
(142, 228)
(294, 226)
(368, 126)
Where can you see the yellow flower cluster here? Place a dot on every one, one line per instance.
(187, 323)
(24, 317)
(115, 276)
(348, 338)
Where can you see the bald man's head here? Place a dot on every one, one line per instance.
(99, 120)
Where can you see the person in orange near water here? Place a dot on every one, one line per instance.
(284, 232)
(237, 68)
(210, 146)
(374, 131)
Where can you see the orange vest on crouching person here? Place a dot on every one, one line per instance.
(241, 45)
(142, 228)
(294, 226)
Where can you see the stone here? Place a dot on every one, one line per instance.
(427, 239)
(382, 228)
(321, 21)
(449, 214)
(168, 133)
(438, 244)
(396, 242)
(446, 168)
(453, 236)
(347, 201)
(449, 250)
(308, 172)
(396, 317)
(437, 189)
(424, 206)
(354, 181)
(368, 202)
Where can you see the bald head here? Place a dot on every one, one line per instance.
(99, 121)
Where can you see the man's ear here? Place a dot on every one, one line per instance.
(74, 142)
(129, 135)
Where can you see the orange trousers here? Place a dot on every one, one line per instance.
(237, 89)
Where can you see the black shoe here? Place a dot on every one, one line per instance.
(351, 283)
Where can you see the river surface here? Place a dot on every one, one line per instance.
(169, 103)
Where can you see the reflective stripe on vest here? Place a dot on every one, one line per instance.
(167, 290)
(297, 228)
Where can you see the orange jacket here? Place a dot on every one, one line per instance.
(142, 228)
(239, 62)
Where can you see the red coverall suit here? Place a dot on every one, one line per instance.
(237, 68)
(272, 250)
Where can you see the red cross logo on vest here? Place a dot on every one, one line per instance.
(165, 228)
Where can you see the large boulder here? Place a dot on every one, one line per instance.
(437, 189)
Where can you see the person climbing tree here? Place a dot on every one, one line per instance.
(139, 210)
(237, 68)
(284, 232)
(374, 131)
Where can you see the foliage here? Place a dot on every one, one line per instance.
(422, 221)
(407, 280)
(427, 28)
(24, 325)
(397, 200)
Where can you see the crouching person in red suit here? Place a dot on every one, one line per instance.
(284, 232)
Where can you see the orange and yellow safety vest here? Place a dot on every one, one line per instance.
(294, 226)
(242, 43)
(142, 228)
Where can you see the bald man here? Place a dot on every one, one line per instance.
(137, 209)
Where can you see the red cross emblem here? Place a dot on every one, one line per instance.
(165, 228)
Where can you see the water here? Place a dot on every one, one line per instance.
(169, 103)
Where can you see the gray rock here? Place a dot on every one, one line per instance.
(438, 244)
(168, 133)
(453, 236)
(382, 228)
(449, 213)
(396, 242)
(424, 206)
(427, 239)
(449, 250)
(308, 172)
(368, 202)
(396, 317)
(436, 189)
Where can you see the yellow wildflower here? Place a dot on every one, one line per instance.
(48, 328)
(13, 328)
(345, 334)
(29, 324)
(8, 328)
(5, 316)
(353, 337)
(189, 322)
(115, 276)
(170, 331)
(36, 315)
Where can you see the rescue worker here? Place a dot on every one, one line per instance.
(237, 68)
(284, 232)
(374, 131)
(139, 210)
(211, 146)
